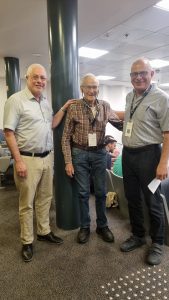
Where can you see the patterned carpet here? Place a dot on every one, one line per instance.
(94, 271)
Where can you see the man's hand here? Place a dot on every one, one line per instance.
(162, 171)
(68, 103)
(21, 169)
(69, 170)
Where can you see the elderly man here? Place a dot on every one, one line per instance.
(28, 130)
(146, 128)
(85, 153)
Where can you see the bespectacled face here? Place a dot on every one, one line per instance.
(90, 89)
(141, 75)
(36, 81)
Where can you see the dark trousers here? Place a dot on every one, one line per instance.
(139, 169)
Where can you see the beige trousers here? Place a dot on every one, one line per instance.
(36, 189)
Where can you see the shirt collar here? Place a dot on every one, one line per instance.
(97, 106)
(31, 96)
(146, 92)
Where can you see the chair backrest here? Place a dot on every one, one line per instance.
(4, 163)
(119, 189)
(165, 189)
(109, 182)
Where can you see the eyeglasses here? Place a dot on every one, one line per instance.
(90, 87)
(136, 74)
(36, 78)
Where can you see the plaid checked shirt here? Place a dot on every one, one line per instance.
(80, 122)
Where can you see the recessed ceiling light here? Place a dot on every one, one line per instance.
(163, 5)
(165, 84)
(91, 52)
(159, 63)
(36, 54)
(103, 77)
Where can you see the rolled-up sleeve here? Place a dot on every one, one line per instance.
(67, 136)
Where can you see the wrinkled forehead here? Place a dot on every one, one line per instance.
(90, 80)
(38, 71)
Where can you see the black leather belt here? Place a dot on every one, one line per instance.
(86, 148)
(141, 149)
(43, 154)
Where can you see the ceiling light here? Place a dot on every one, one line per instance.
(91, 53)
(159, 63)
(103, 77)
(36, 54)
(163, 5)
(165, 84)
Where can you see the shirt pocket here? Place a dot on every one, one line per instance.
(146, 113)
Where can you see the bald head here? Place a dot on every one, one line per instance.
(88, 76)
(142, 61)
(141, 75)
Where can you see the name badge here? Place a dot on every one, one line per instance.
(129, 128)
(92, 141)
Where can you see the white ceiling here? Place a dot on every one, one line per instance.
(128, 29)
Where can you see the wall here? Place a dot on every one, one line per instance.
(116, 96)
(3, 97)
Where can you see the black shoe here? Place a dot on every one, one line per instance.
(155, 254)
(50, 237)
(106, 234)
(83, 235)
(132, 243)
(27, 252)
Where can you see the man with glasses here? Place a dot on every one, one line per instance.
(146, 127)
(85, 154)
(28, 126)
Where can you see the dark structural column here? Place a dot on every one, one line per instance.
(62, 28)
(12, 75)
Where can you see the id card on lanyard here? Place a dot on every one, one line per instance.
(92, 140)
(129, 126)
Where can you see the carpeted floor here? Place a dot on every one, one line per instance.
(94, 271)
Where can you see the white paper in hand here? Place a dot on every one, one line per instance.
(153, 185)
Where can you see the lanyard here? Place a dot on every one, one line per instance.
(132, 110)
(92, 119)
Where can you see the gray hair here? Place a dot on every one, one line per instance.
(143, 60)
(86, 76)
(33, 66)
